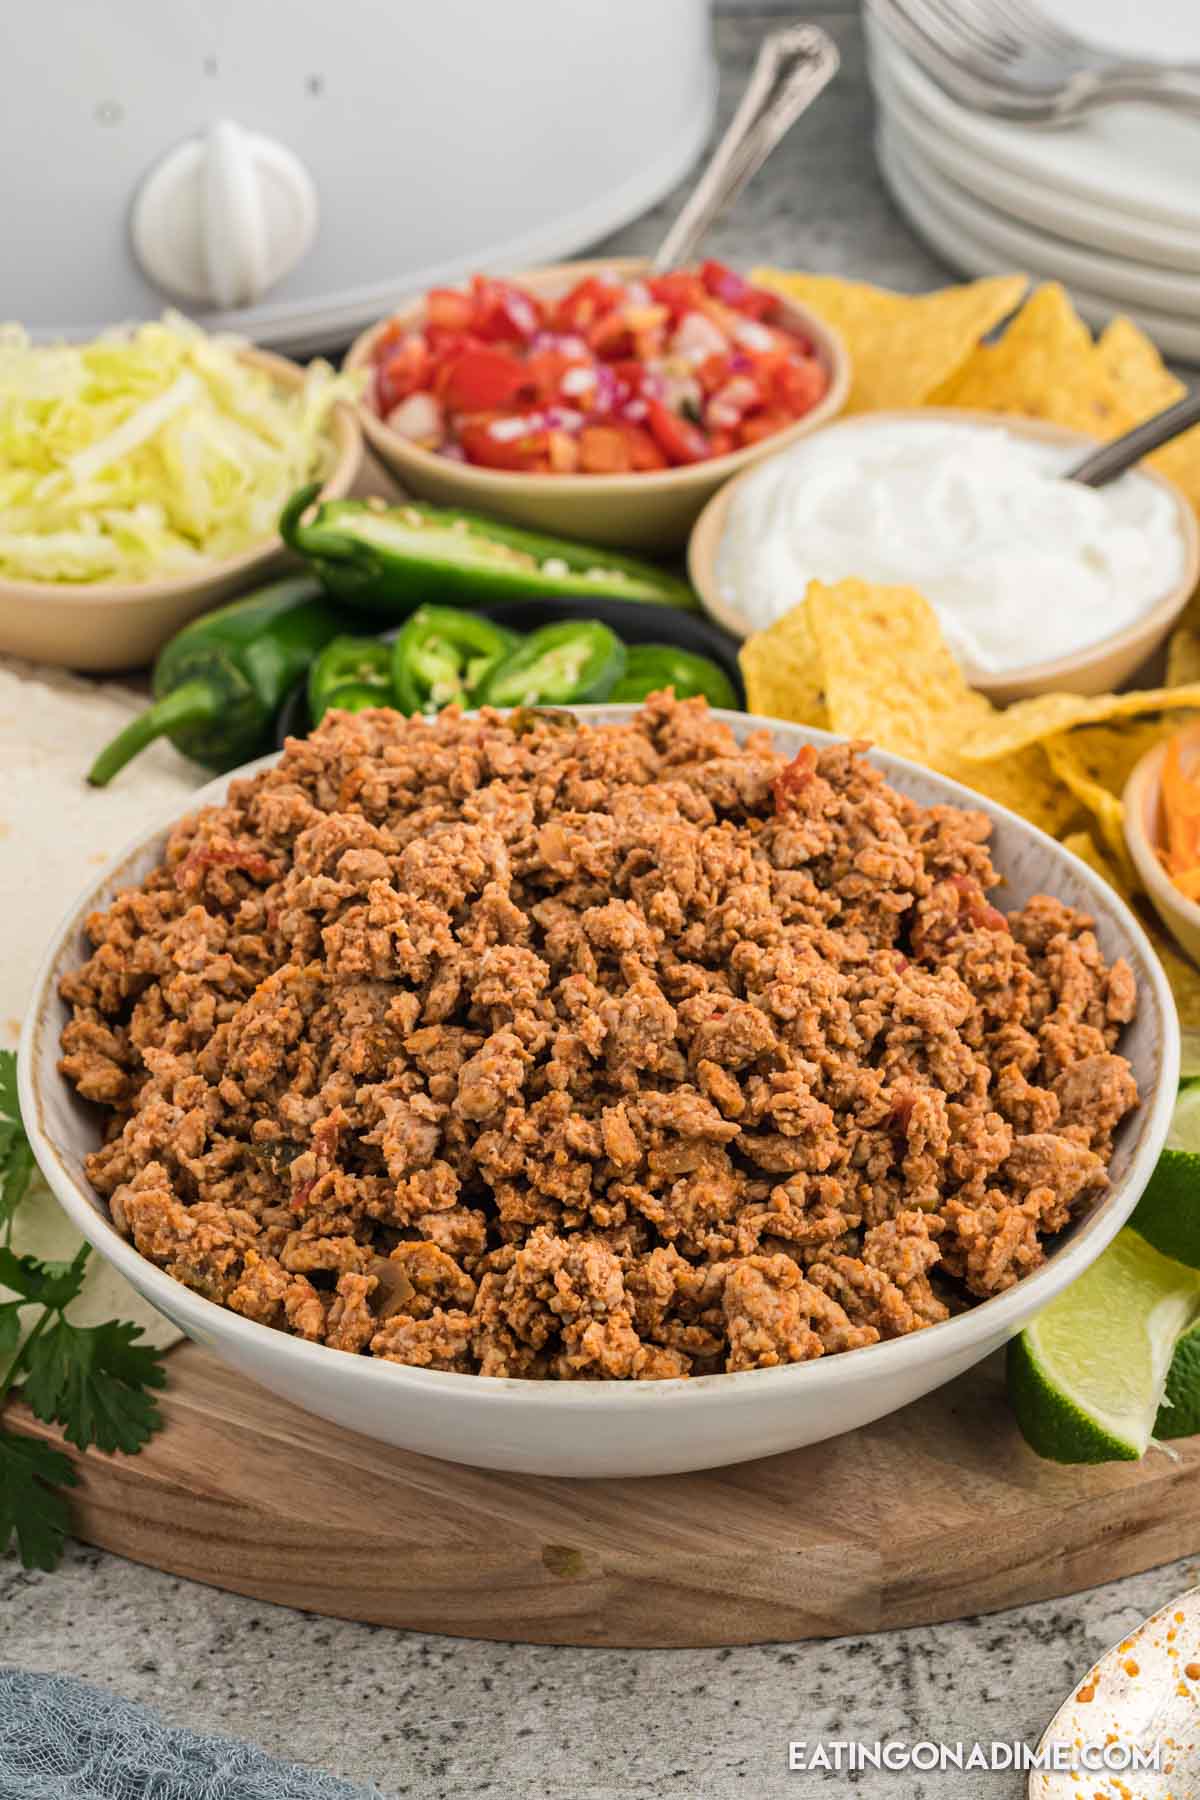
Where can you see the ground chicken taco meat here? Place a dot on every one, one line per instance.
(532, 1048)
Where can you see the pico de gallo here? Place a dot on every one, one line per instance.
(613, 377)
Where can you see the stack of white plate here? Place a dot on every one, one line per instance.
(1110, 206)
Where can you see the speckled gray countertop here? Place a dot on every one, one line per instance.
(443, 1719)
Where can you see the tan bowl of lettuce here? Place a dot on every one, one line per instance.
(97, 621)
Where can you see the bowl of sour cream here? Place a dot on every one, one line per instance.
(1040, 583)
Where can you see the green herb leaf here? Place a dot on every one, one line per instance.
(50, 1284)
(32, 1508)
(10, 1106)
(16, 1170)
(92, 1380)
(16, 1158)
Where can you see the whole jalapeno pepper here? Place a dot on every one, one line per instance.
(652, 667)
(349, 662)
(390, 558)
(219, 682)
(577, 661)
(443, 657)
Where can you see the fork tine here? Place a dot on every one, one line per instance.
(1003, 39)
(994, 42)
(950, 28)
(1037, 27)
(919, 27)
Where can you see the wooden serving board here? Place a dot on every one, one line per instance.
(937, 1512)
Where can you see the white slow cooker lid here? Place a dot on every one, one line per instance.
(411, 143)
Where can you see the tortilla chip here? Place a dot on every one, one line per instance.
(1183, 975)
(901, 346)
(1071, 767)
(891, 679)
(1132, 363)
(1083, 845)
(781, 668)
(1048, 715)
(1179, 461)
(1183, 647)
(1042, 367)
(1129, 358)
(889, 674)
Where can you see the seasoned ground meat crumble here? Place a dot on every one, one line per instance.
(561, 1051)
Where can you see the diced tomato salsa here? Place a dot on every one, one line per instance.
(614, 376)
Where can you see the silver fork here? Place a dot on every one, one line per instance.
(1004, 57)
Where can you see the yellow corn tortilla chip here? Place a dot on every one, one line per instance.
(1183, 975)
(1048, 715)
(901, 346)
(781, 668)
(1183, 647)
(1131, 360)
(1044, 366)
(1179, 462)
(1133, 365)
(890, 678)
(1083, 845)
(889, 674)
(1065, 759)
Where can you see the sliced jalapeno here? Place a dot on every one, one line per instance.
(443, 656)
(651, 667)
(576, 661)
(356, 696)
(349, 662)
(386, 558)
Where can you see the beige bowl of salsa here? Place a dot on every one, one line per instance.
(650, 509)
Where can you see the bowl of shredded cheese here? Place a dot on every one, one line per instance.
(141, 479)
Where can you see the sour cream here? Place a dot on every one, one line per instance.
(1020, 565)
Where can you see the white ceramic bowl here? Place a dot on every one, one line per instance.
(1096, 669)
(591, 1428)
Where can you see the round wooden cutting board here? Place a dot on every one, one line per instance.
(932, 1514)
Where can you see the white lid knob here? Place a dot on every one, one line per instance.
(224, 216)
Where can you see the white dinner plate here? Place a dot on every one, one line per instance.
(1139, 161)
(1131, 283)
(968, 251)
(1082, 221)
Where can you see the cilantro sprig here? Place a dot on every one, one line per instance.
(95, 1381)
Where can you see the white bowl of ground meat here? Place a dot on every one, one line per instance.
(609, 1093)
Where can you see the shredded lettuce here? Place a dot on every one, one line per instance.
(148, 453)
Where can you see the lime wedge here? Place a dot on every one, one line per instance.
(1168, 1213)
(1185, 1121)
(1189, 1061)
(1179, 1414)
(1086, 1378)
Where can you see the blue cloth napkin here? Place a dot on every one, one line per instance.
(64, 1740)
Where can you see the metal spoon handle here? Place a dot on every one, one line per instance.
(793, 66)
(1113, 459)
